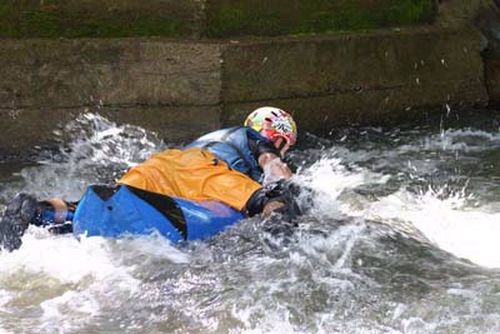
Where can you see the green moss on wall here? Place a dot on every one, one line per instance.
(262, 17)
(224, 18)
(57, 18)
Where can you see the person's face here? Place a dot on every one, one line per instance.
(282, 146)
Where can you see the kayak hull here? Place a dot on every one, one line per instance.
(116, 211)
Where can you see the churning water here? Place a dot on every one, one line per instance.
(403, 237)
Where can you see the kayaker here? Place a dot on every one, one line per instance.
(241, 167)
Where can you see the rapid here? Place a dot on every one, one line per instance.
(402, 236)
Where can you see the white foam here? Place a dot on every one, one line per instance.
(154, 245)
(5, 297)
(446, 220)
(272, 321)
(467, 232)
(66, 259)
(69, 311)
(330, 178)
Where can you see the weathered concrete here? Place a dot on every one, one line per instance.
(174, 124)
(69, 73)
(488, 21)
(493, 80)
(158, 84)
(181, 89)
(355, 79)
(457, 13)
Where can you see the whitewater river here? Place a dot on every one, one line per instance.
(403, 236)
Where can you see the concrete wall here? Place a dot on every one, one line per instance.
(355, 79)
(173, 87)
(180, 89)
(493, 80)
(183, 87)
(488, 21)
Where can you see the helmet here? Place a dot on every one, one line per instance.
(273, 123)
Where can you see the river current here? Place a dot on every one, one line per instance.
(402, 236)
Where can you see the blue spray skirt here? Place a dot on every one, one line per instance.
(111, 212)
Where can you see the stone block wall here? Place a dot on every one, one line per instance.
(183, 86)
(180, 89)
(172, 87)
(493, 80)
(355, 79)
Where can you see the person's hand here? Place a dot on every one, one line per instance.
(272, 206)
(274, 169)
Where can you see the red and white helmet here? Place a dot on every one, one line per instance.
(273, 123)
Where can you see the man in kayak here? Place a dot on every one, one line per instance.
(240, 167)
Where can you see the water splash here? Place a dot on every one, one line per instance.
(466, 232)
(97, 151)
(331, 178)
(450, 217)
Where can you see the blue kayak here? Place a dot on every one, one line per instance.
(115, 211)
